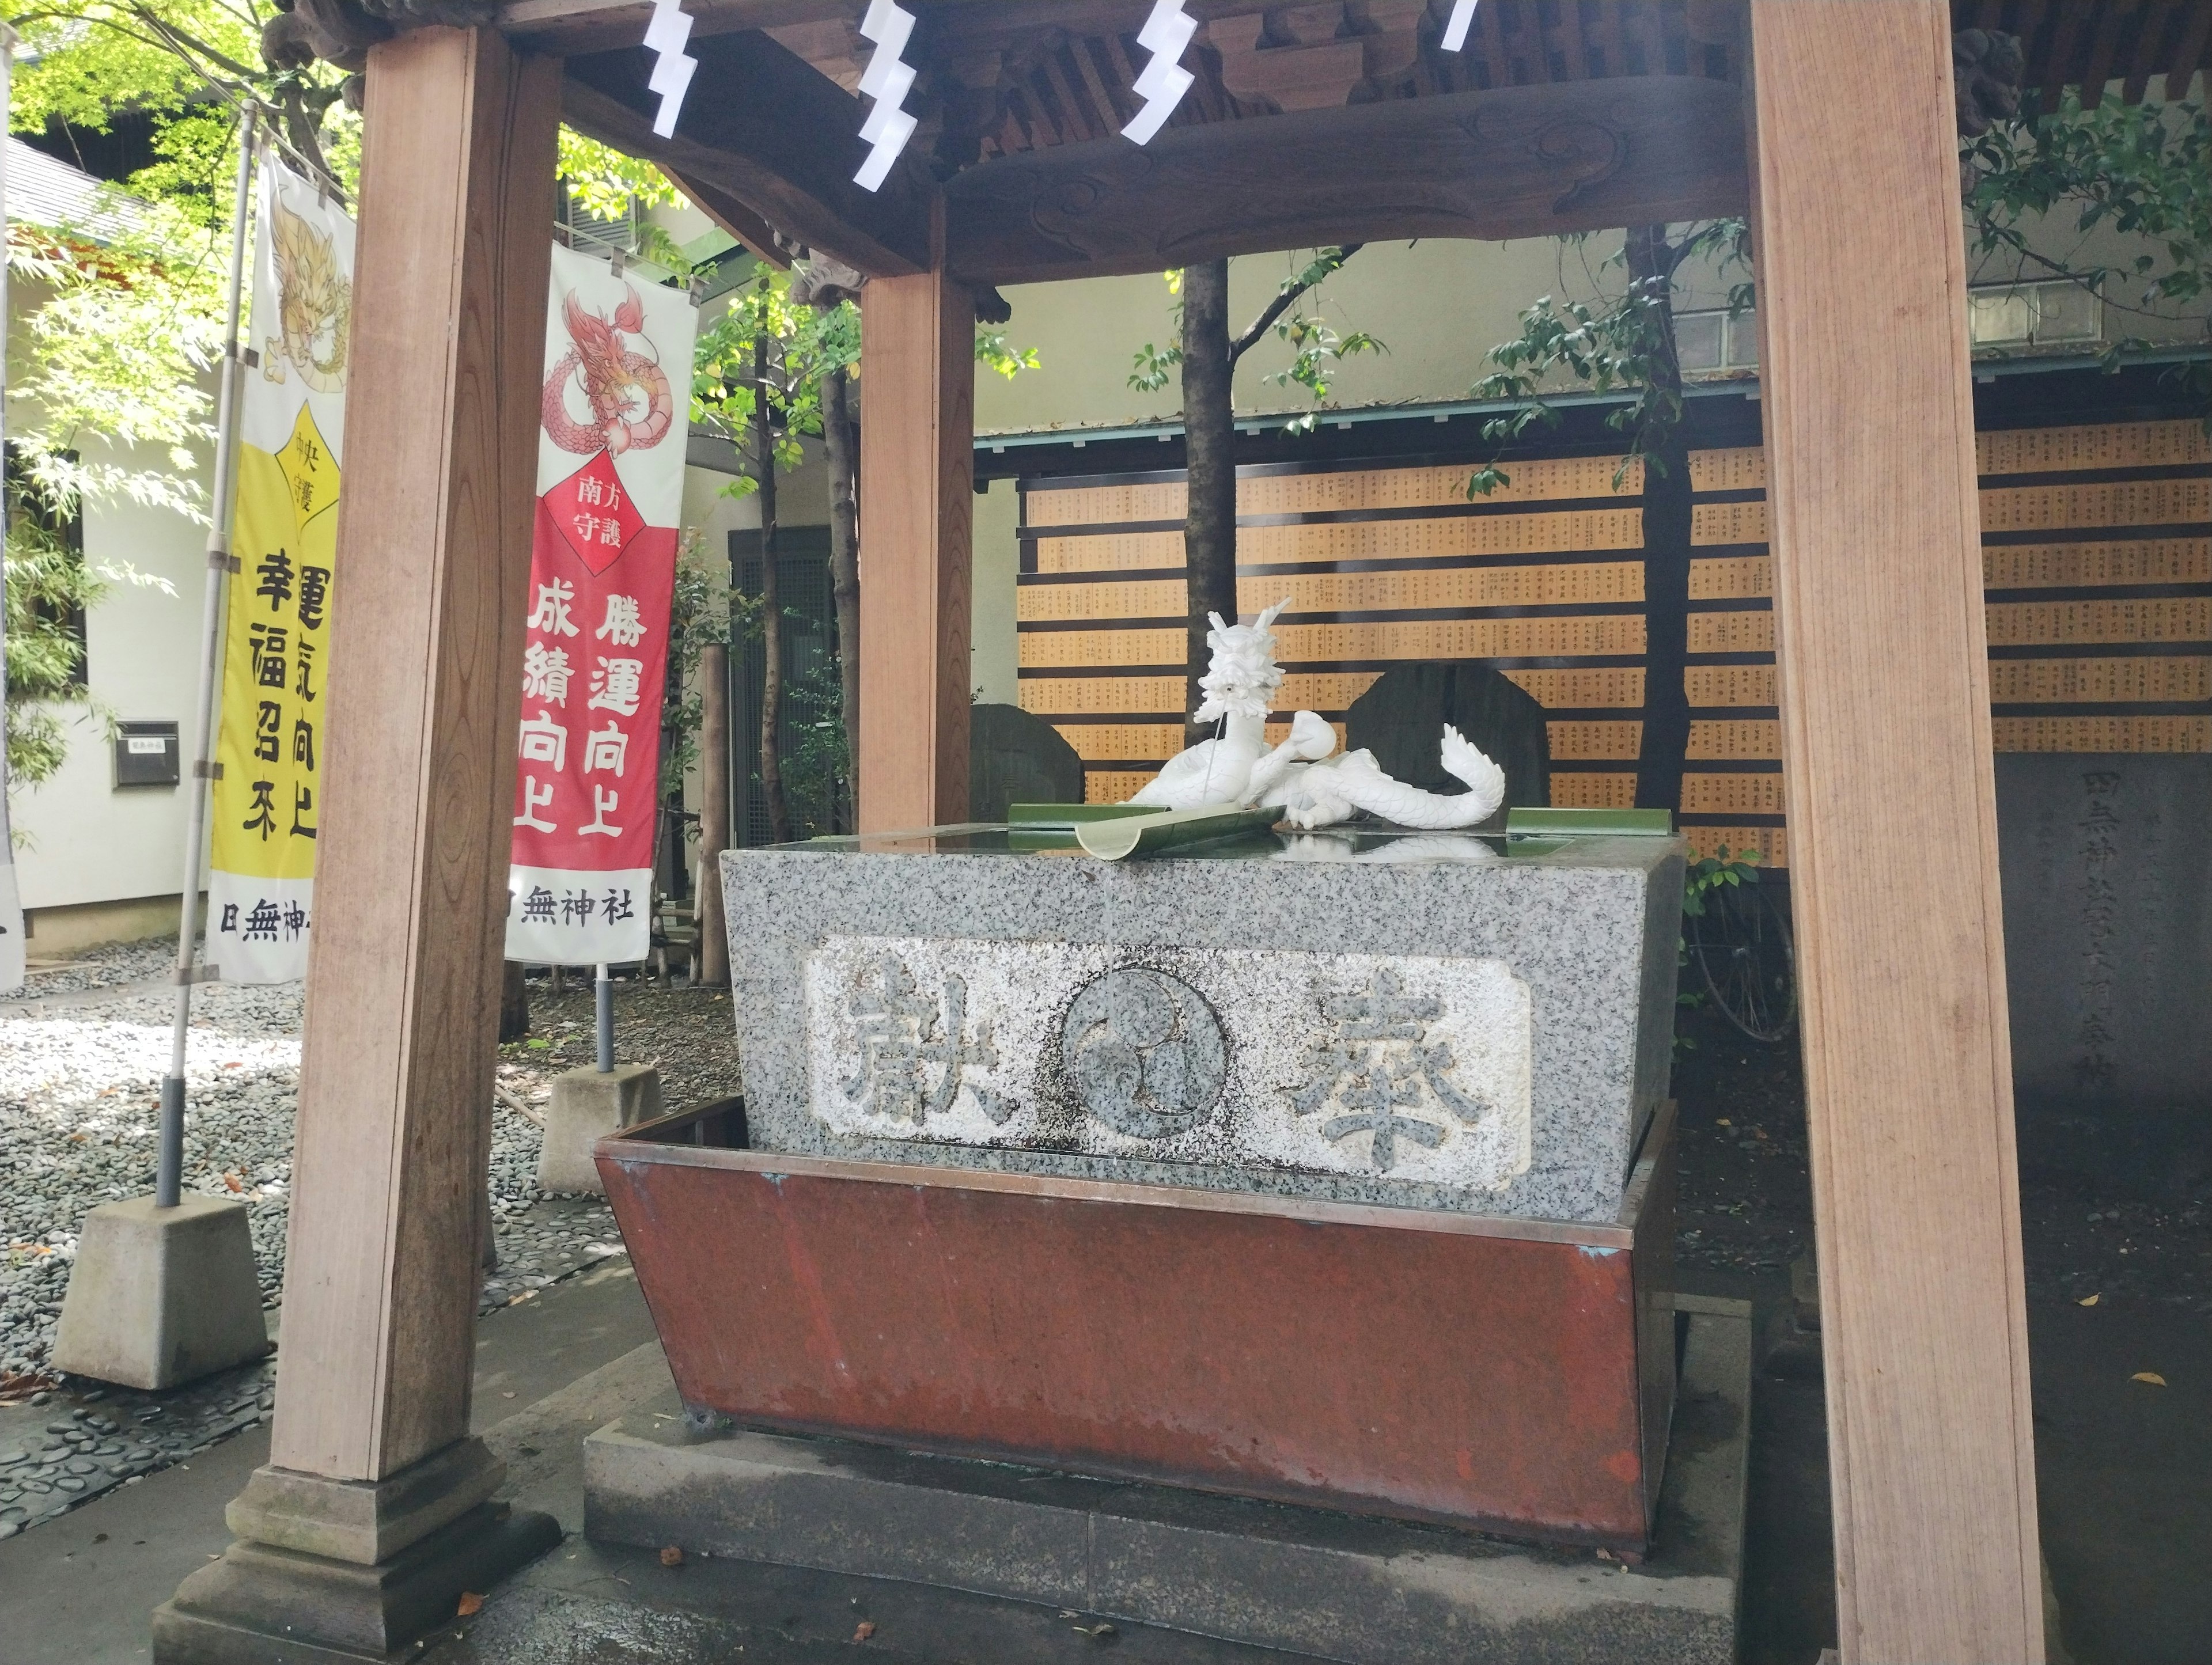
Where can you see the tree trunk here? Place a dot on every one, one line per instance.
(841, 441)
(513, 1004)
(1209, 417)
(771, 757)
(710, 963)
(1667, 550)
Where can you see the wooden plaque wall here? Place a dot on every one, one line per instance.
(2097, 554)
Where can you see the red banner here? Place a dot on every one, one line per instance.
(601, 570)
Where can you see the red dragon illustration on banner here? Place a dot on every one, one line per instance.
(632, 406)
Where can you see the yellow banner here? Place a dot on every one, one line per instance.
(276, 657)
(266, 804)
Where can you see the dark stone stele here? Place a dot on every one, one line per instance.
(1401, 720)
(2108, 962)
(1016, 758)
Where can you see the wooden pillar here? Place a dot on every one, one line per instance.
(425, 676)
(1884, 687)
(917, 475)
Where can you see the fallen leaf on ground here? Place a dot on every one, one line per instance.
(231, 1183)
(863, 1629)
(2086, 1301)
(2151, 1377)
(471, 1603)
(1099, 1631)
(672, 1556)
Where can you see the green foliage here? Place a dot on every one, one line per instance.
(1317, 347)
(801, 346)
(108, 400)
(46, 583)
(816, 770)
(1619, 343)
(2144, 170)
(695, 621)
(107, 404)
(1700, 880)
(1155, 366)
(88, 61)
(602, 180)
(1713, 872)
(992, 351)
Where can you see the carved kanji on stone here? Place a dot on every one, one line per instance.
(915, 1051)
(1378, 1066)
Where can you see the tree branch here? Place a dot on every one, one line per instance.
(179, 40)
(1285, 296)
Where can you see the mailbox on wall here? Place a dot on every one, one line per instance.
(146, 755)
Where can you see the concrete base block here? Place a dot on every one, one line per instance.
(259, 1605)
(161, 1295)
(1367, 1592)
(364, 1521)
(586, 1107)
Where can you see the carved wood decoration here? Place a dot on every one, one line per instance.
(1315, 57)
(1518, 162)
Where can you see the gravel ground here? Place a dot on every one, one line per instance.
(79, 1102)
(98, 968)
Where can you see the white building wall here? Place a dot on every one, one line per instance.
(88, 839)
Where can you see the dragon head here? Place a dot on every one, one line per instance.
(609, 384)
(1243, 677)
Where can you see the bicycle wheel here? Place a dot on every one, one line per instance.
(1742, 946)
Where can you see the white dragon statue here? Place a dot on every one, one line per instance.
(1238, 769)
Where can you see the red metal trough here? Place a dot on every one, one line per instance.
(1512, 1376)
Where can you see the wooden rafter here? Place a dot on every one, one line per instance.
(1514, 162)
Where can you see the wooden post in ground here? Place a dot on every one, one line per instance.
(917, 482)
(1884, 688)
(370, 1454)
(710, 950)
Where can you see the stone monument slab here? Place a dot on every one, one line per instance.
(1438, 1021)
(2108, 961)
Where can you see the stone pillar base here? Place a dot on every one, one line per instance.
(586, 1107)
(161, 1295)
(260, 1604)
(326, 1570)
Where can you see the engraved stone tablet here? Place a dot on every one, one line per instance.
(1412, 1066)
(1438, 1021)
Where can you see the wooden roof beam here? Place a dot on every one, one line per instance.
(1517, 161)
(770, 136)
(572, 27)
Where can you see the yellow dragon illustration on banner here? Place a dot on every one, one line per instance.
(314, 305)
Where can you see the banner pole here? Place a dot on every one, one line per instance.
(603, 1010)
(169, 1175)
(11, 919)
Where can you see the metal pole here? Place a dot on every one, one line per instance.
(169, 1175)
(7, 844)
(603, 990)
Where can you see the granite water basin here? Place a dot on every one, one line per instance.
(1453, 1022)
